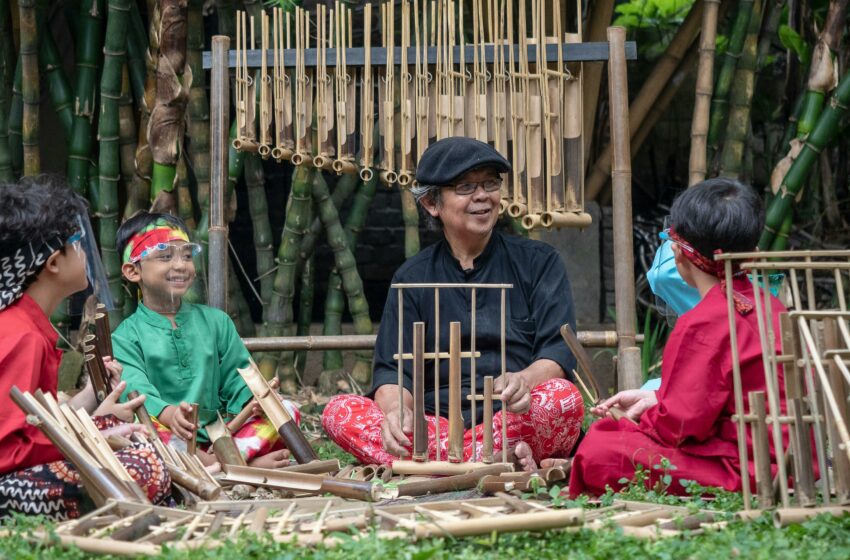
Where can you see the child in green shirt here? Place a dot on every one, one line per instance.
(177, 352)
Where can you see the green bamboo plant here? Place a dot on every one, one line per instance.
(7, 78)
(279, 311)
(29, 86)
(741, 97)
(137, 44)
(262, 229)
(822, 134)
(727, 73)
(127, 136)
(109, 157)
(50, 64)
(89, 49)
(16, 118)
(410, 216)
(306, 298)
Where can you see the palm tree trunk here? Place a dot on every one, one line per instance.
(823, 133)
(727, 73)
(698, 167)
(109, 160)
(30, 87)
(88, 59)
(174, 79)
(740, 99)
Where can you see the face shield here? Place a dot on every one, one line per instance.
(83, 240)
(673, 295)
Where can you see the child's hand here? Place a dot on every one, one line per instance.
(114, 368)
(273, 460)
(125, 430)
(123, 411)
(177, 419)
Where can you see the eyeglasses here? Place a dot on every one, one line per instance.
(168, 252)
(466, 189)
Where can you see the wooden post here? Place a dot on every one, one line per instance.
(420, 426)
(455, 412)
(219, 124)
(487, 446)
(628, 355)
(761, 449)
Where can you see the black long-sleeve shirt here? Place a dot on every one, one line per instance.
(536, 307)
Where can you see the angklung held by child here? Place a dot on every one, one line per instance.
(688, 420)
(46, 255)
(176, 352)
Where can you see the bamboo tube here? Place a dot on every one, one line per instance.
(102, 483)
(761, 450)
(328, 466)
(790, 516)
(628, 361)
(740, 97)
(137, 44)
(487, 421)
(697, 166)
(219, 108)
(537, 521)
(452, 483)
(223, 446)
(30, 86)
(261, 227)
(7, 65)
(648, 94)
(306, 299)
(840, 463)
(420, 424)
(441, 468)
(367, 104)
(199, 125)
(455, 412)
(277, 414)
(804, 479)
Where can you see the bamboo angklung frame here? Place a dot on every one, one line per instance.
(324, 97)
(282, 90)
(266, 94)
(455, 354)
(303, 92)
(245, 100)
(804, 360)
(345, 94)
(386, 103)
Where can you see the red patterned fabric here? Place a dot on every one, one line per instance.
(550, 427)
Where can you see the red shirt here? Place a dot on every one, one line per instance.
(29, 360)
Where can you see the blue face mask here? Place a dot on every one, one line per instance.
(667, 284)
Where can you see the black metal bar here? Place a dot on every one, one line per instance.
(572, 52)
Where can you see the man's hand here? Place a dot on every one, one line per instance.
(633, 402)
(395, 437)
(515, 392)
(123, 411)
(176, 418)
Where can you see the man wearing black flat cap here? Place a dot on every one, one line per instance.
(458, 186)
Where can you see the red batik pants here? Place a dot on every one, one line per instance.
(550, 427)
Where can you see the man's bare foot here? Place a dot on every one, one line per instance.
(273, 460)
(524, 458)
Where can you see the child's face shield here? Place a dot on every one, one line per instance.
(171, 252)
(83, 240)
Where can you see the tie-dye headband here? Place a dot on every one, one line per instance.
(160, 231)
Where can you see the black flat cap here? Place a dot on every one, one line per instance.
(449, 158)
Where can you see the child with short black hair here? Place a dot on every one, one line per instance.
(176, 352)
(42, 262)
(688, 420)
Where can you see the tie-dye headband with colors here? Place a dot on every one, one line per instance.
(156, 233)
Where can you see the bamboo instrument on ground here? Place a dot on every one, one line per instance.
(532, 521)
(287, 480)
(487, 446)
(450, 483)
(101, 483)
(440, 468)
(761, 449)
(420, 424)
(223, 445)
(455, 411)
(277, 414)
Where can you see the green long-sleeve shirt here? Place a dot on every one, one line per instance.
(195, 362)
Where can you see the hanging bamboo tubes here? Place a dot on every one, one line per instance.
(324, 98)
(282, 90)
(245, 88)
(303, 93)
(386, 94)
(367, 100)
(265, 91)
(345, 93)
(697, 166)
(516, 133)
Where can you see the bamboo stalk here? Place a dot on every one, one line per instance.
(16, 117)
(198, 109)
(727, 73)
(825, 130)
(29, 86)
(697, 167)
(167, 120)
(278, 315)
(345, 264)
(306, 300)
(262, 231)
(653, 85)
(109, 155)
(420, 424)
(600, 18)
(740, 98)
(137, 44)
(88, 62)
(7, 79)
(50, 63)
(127, 133)
(455, 412)
(219, 108)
